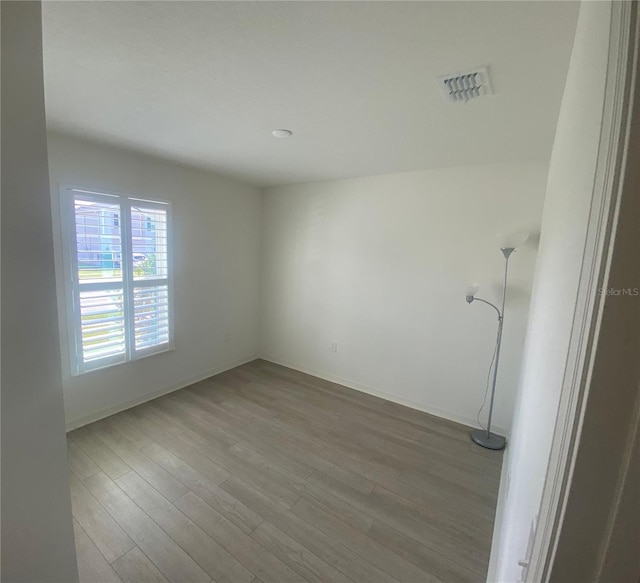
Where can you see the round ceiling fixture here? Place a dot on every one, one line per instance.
(281, 133)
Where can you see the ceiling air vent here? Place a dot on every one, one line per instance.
(463, 87)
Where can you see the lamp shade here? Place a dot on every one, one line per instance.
(513, 239)
(472, 289)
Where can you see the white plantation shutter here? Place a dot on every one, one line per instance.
(150, 260)
(117, 259)
(102, 325)
(151, 309)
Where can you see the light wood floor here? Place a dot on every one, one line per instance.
(266, 475)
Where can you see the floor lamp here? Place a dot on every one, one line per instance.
(484, 437)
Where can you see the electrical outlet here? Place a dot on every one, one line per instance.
(334, 347)
(227, 337)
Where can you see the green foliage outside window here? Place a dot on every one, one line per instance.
(146, 267)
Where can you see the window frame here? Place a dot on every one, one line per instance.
(72, 285)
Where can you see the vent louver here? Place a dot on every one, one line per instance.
(463, 87)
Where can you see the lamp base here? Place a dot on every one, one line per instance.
(490, 441)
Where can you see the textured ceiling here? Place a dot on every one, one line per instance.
(205, 82)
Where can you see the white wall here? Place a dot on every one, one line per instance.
(566, 210)
(216, 225)
(37, 532)
(380, 265)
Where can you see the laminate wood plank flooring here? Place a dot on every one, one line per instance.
(263, 474)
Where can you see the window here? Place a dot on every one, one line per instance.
(117, 255)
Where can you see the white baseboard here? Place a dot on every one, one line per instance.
(77, 423)
(468, 421)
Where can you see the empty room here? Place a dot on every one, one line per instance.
(319, 292)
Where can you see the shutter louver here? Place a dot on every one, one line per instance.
(102, 325)
(151, 309)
